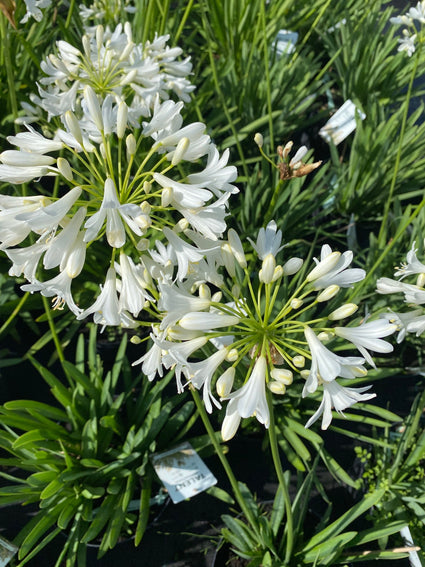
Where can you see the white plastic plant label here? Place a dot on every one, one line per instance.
(285, 42)
(7, 551)
(342, 123)
(183, 473)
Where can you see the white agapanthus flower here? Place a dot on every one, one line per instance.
(251, 323)
(34, 9)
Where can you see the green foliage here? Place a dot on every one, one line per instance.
(86, 462)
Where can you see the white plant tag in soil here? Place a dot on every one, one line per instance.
(182, 472)
(342, 123)
(7, 551)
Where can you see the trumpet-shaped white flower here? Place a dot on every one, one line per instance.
(413, 266)
(326, 365)
(114, 213)
(106, 309)
(268, 241)
(369, 336)
(248, 401)
(340, 398)
(403, 320)
(335, 272)
(200, 374)
(58, 287)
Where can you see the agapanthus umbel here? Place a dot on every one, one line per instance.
(414, 295)
(415, 14)
(258, 330)
(110, 62)
(154, 196)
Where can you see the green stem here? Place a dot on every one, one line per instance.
(69, 16)
(266, 73)
(271, 210)
(52, 327)
(183, 21)
(14, 313)
(226, 465)
(289, 528)
(9, 68)
(383, 230)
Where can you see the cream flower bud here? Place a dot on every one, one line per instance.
(232, 355)
(344, 311)
(166, 196)
(305, 374)
(143, 244)
(236, 290)
(228, 259)
(236, 247)
(217, 297)
(267, 271)
(122, 115)
(225, 382)
(292, 266)
(180, 150)
(204, 291)
(131, 145)
(230, 425)
(278, 273)
(86, 46)
(94, 107)
(64, 168)
(328, 293)
(74, 126)
(259, 140)
(182, 225)
(324, 336)
(146, 208)
(298, 361)
(324, 266)
(420, 282)
(283, 375)
(103, 151)
(135, 340)
(147, 187)
(296, 303)
(99, 36)
(277, 388)
(201, 321)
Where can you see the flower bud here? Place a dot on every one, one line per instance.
(277, 388)
(236, 247)
(324, 266)
(225, 382)
(232, 355)
(324, 336)
(305, 374)
(182, 225)
(344, 311)
(236, 291)
(217, 297)
(166, 196)
(94, 107)
(131, 144)
(278, 273)
(267, 270)
(420, 282)
(103, 151)
(298, 361)
(228, 259)
(287, 149)
(86, 46)
(147, 186)
(74, 126)
(259, 140)
(283, 375)
(143, 244)
(180, 150)
(327, 293)
(122, 115)
(99, 37)
(64, 168)
(146, 208)
(292, 266)
(204, 291)
(230, 426)
(296, 303)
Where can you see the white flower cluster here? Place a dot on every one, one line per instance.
(34, 9)
(117, 183)
(407, 43)
(111, 64)
(109, 10)
(210, 333)
(414, 295)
